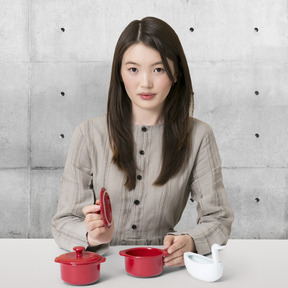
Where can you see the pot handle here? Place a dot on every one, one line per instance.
(124, 253)
(57, 260)
(101, 260)
(165, 253)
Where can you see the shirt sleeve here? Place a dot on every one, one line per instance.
(68, 227)
(215, 215)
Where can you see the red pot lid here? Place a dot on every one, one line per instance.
(105, 208)
(79, 257)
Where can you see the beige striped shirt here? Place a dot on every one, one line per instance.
(146, 214)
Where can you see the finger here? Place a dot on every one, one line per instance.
(177, 261)
(90, 217)
(168, 241)
(94, 225)
(174, 255)
(91, 209)
(176, 246)
(98, 231)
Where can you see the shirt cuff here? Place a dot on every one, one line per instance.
(201, 244)
(100, 249)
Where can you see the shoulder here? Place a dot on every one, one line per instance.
(200, 128)
(98, 124)
(202, 135)
(92, 129)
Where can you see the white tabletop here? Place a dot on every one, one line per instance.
(247, 263)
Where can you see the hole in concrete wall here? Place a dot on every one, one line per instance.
(62, 93)
(61, 136)
(256, 29)
(257, 135)
(256, 92)
(191, 29)
(191, 200)
(257, 199)
(63, 29)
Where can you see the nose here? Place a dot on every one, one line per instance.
(146, 81)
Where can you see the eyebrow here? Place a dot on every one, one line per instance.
(134, 63)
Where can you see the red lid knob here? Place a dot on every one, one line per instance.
(79, 250)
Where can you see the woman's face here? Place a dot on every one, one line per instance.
(145, 79)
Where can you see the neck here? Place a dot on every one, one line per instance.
(148, 118)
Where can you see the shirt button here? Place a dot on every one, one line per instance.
(144, 129)
(139, 177)
(134, 227)
(141, 152)
(136, 202)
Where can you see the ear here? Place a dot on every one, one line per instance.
(175, 78)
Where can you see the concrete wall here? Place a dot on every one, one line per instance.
(55, 59)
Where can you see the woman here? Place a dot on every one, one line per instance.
(148, 153)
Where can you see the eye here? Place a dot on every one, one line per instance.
(159, 70)
(133, 70)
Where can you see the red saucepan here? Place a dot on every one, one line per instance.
(144, 261)
(80, 267)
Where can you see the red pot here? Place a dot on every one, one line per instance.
(144, 261)
(80, 267)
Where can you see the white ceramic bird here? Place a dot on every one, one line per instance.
(204, 268)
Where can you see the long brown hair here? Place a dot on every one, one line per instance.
(158, 35)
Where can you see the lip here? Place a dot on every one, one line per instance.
(146, 96)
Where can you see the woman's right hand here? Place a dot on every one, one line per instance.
(97, 233)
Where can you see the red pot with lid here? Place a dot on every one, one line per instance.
(80, 267)
(144, 261)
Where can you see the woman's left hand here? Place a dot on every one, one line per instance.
(177, 245)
